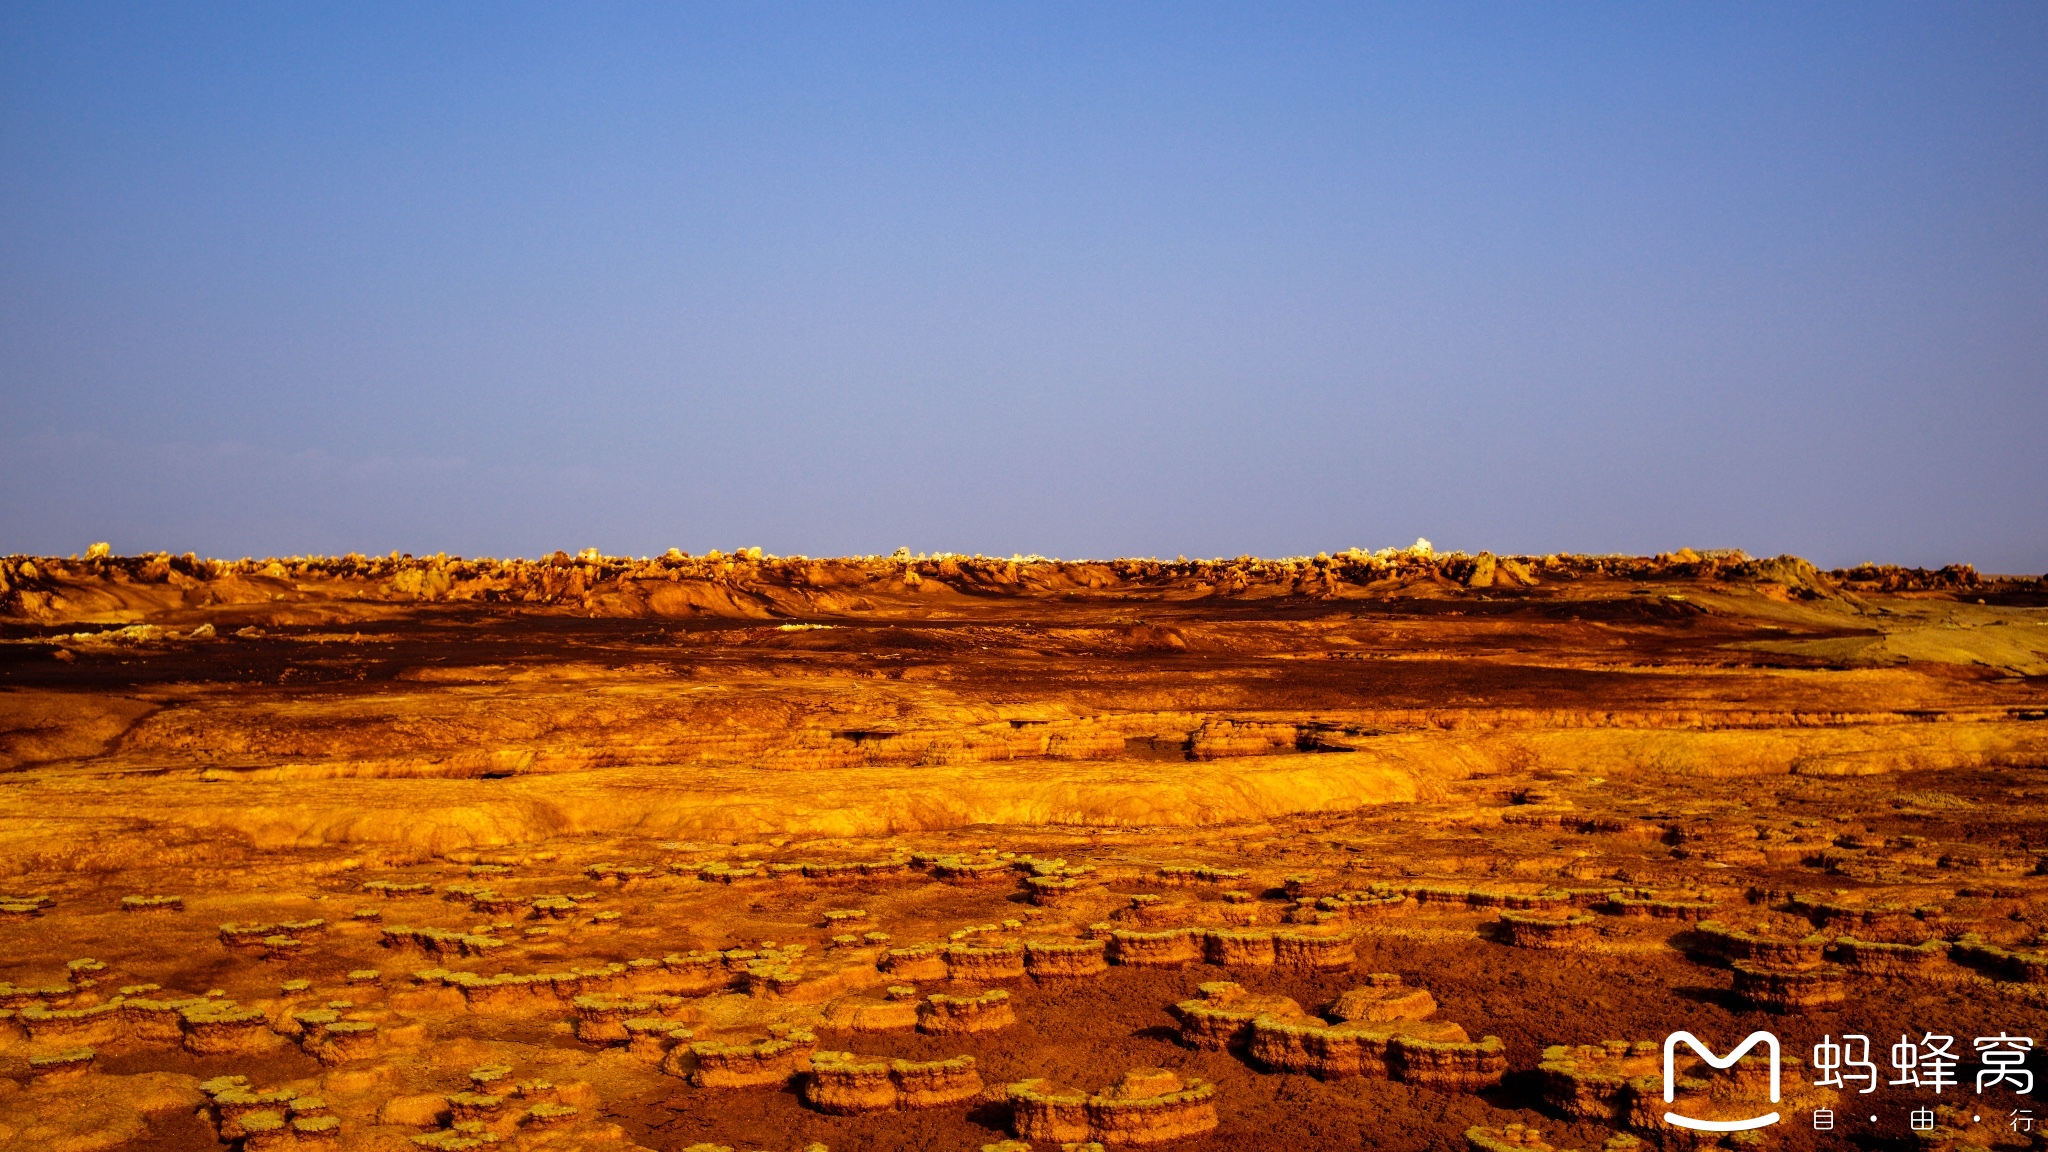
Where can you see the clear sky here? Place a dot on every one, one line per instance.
(1081, 280)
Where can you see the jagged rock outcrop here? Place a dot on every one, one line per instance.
(1736, 944)
(441, 942)
(1171, 948)
(678, 974)
(1384, 998)
(1146, 1106)
(1649, 907)
(271, 939)
(1425, 1053)
(1548, 900)
(1530, 931)
(1338, 907)
(1222, 1017)
(1068, 958)
(1314, 950)
(1782, 989)
(66, 1065)
(844, 1084)
(1876, 958)
(1238, 948)
(1595, 1081)
(1881, 921)
(755, 1064)
(2022, 965)
(914, 962)
(979, 964)
(970, 872)
(650, 1038)
(1200, 875)
(897, 1011)
(232, 1101)
(601, 1019)
(205, 1025)
(941, 1014)
(1057, 891)
(1382, 1031)
(1148, 910)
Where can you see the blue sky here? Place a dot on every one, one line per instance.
(1076, 280)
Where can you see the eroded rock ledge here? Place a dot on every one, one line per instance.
(1146, 1106)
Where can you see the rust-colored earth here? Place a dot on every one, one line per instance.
(1390, 850)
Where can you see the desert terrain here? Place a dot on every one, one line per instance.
(1369, 850)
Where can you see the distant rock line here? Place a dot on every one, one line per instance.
(103, 588)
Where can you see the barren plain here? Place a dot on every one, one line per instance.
(1393, 850)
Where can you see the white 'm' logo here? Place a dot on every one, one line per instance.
(1671, 1080)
